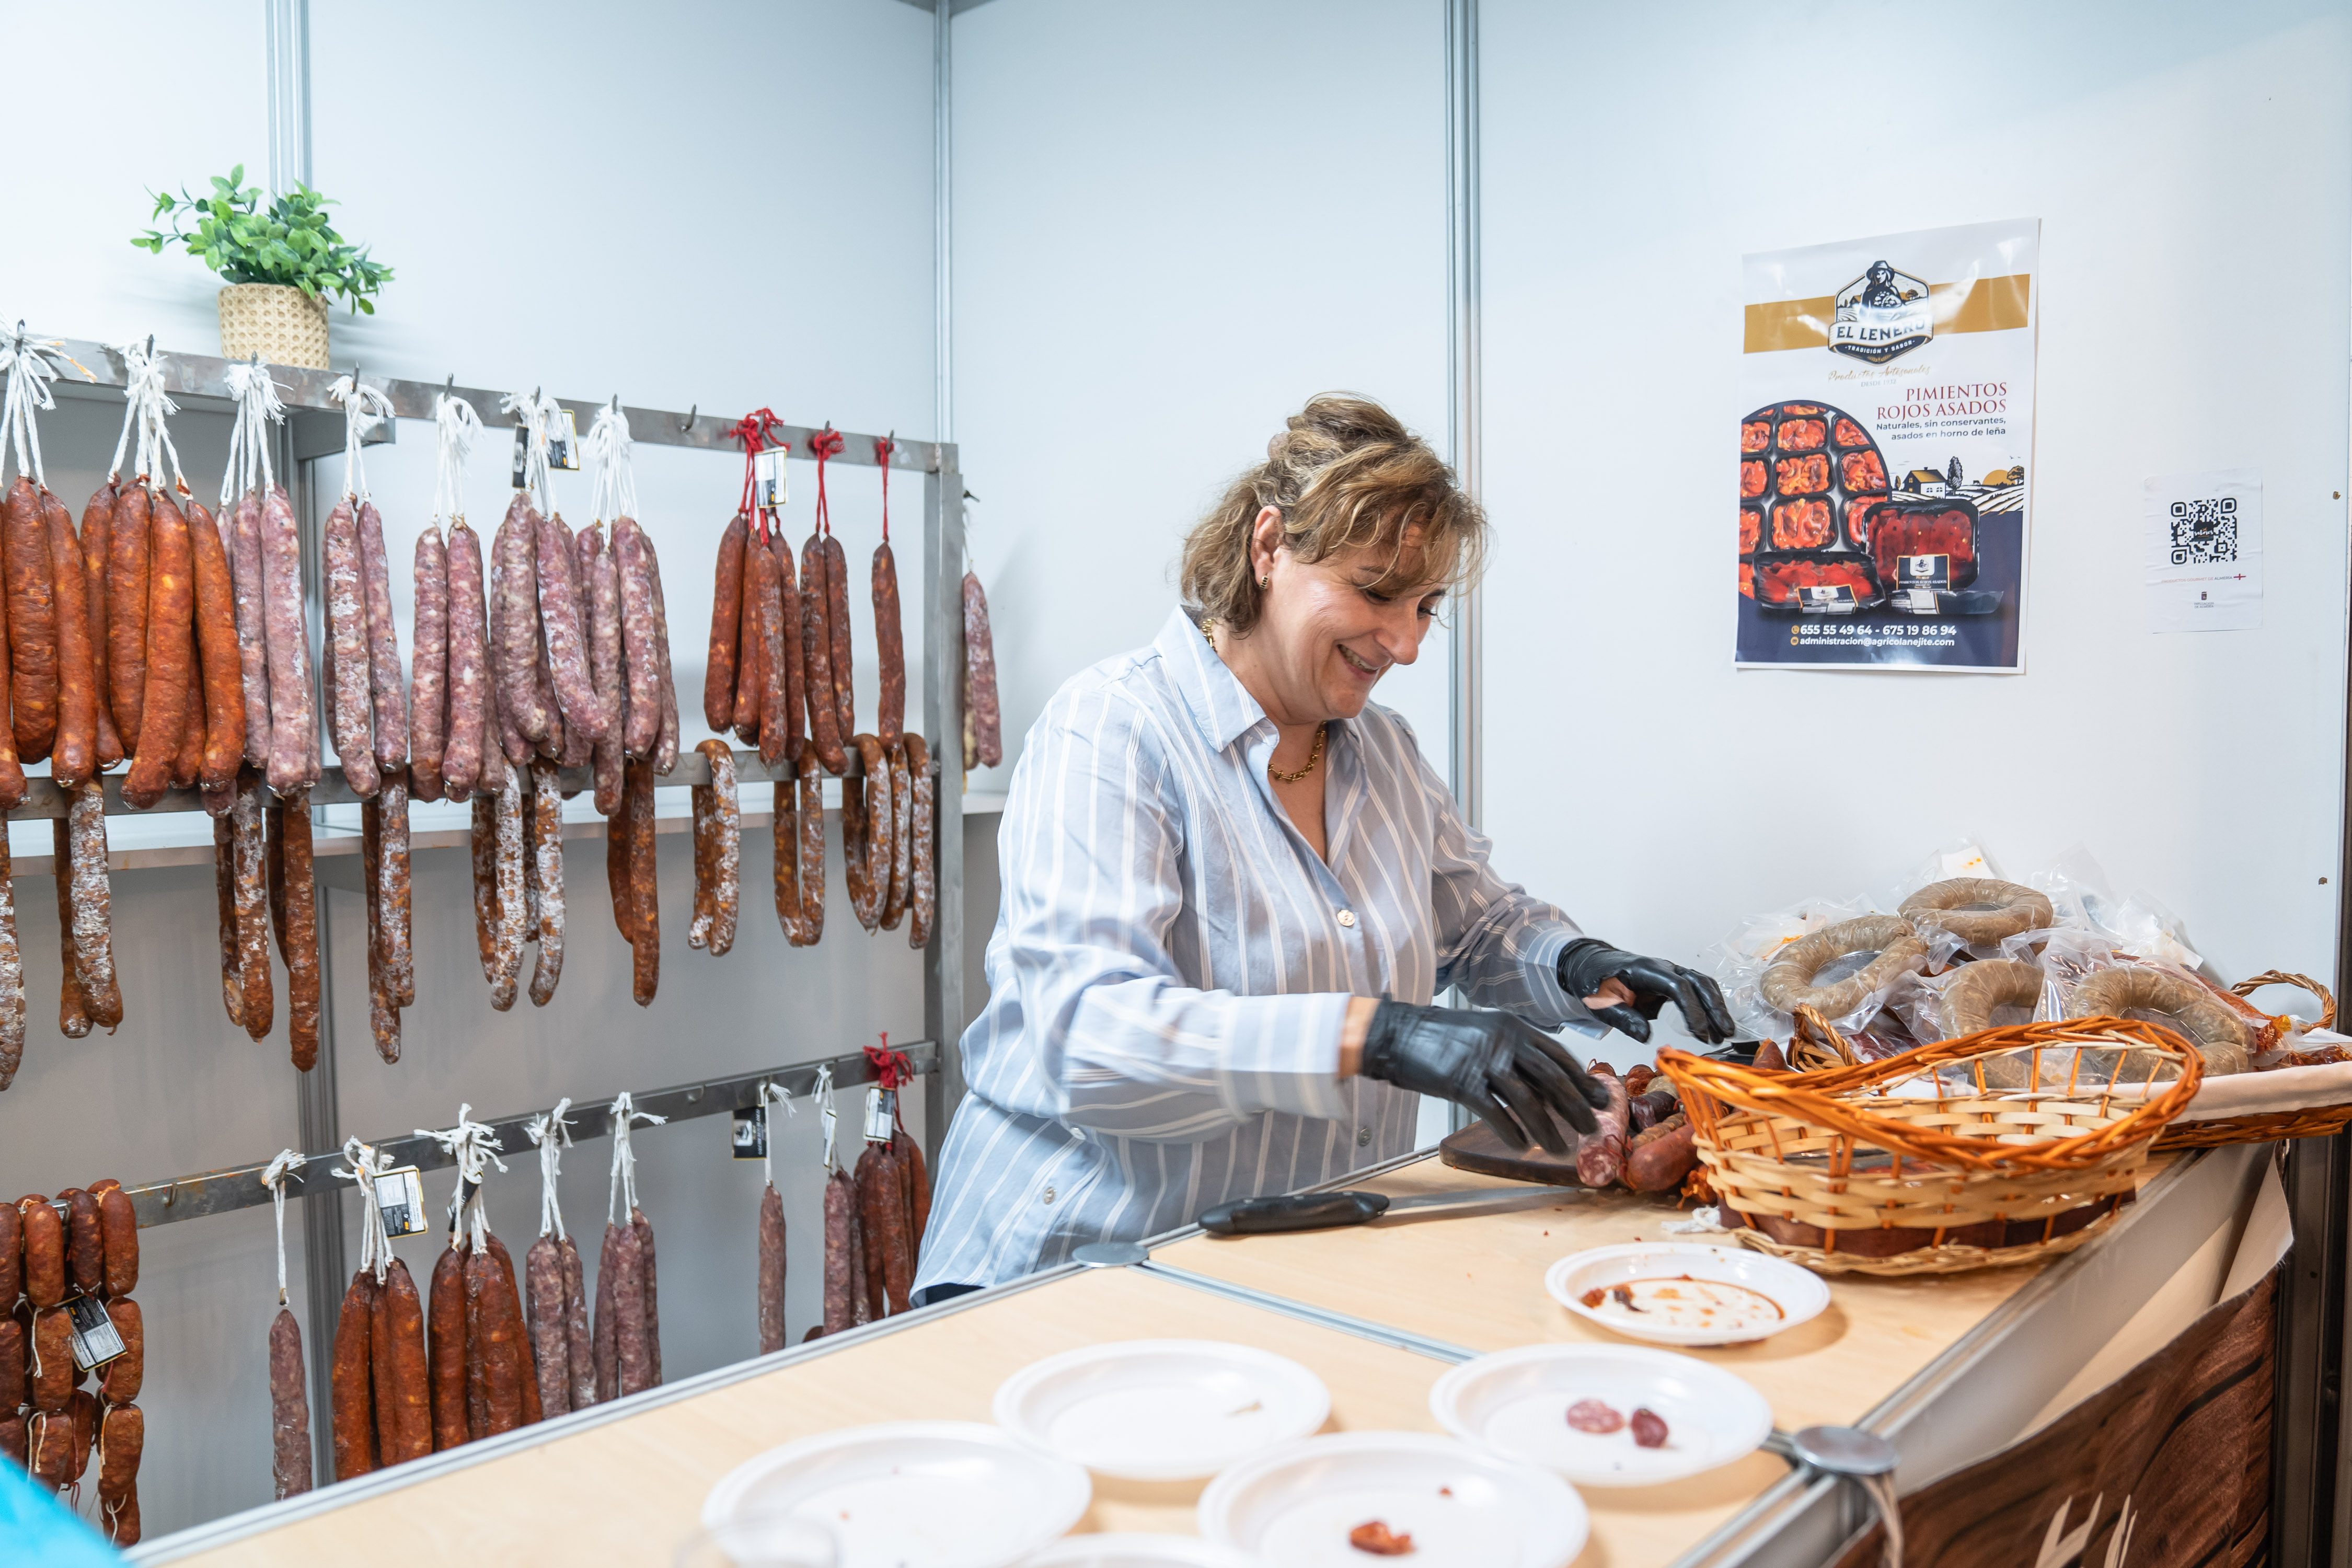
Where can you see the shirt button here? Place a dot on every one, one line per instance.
(1347, 917)
(1049, 1194)
(1363, 1137)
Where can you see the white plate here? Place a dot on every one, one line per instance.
(1464, 1506)
(1138, 1552)
(1515, 1402)
(1161, 1410)
(1800, 1294)
(914, 1494)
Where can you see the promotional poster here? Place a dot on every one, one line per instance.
(1886, 458)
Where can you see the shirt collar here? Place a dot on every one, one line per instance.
(1221, 706)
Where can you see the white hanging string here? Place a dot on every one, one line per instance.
(778, 1094)
(362, 405)
(456, 426)
(273, 1176)
(363, 1164)
(25, 361)
(138, 365)
(830, 1113)
(473, 1145)
(532, 412)
(614, 491)
(257, 408)
(625, 1159)
(1880, 1490)
(552, 1133)
(156, 440)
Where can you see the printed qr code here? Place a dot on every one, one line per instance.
(2204, 532)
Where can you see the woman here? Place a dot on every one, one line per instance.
(1232, 885)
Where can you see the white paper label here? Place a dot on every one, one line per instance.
(2204, 551)
(770, 488)
(879, 1105)
(95, 1339)
(751, 1133)
(400, 1195)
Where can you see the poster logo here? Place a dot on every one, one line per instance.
(1881, 315)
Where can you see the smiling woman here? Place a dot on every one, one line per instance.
(1233, 886)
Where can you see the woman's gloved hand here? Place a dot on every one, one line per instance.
(1499, 1065)
(1587, 964)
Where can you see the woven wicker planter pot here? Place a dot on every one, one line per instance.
(276, 321)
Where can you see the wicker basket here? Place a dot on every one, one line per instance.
(2265, 1127)
(280, 322)
(1842, 1170)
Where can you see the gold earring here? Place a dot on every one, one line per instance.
(1266, 581)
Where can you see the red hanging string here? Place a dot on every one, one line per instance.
(826, 443)
(890, 1068)
(756, 431)
(883, 446)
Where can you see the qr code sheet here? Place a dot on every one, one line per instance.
(2205, 531)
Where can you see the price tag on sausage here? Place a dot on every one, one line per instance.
(400, 1197)
(562, 445)
(881, 1104)
(769, 487)
(751, 1133)
(95, 1339)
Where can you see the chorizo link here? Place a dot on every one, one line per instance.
(404, 1387)
(32, 619)
(44, 1235)
(129, 542)
(468, 677)
(12, 1364)
(1661, 1156)
(865, 841)
(889, 648)
(665, 756)
(219, 657)
(546, 859)
(73, 1007)
(485, 845)
(918, 1188)
(188, 756)
(12, 972)
(12, 771)
(648, 1275)
(117, 1223)
(301, 932)
(980, 662)
(882, 1216)
(252, 901)
(509, 945)
(513, 747)
(603, 600)
(1600, 1154)
(786, 643)
(579, 746)
(13, 1439)
(514, 620)
(718, 853)
(786, 847)
(552, 746)
(81, 1410)
(550, 1353)
(902, 825)
(399, 952)
(121, 1440)
(618, 837)
(93, 908)
(772, 1270)
(428, 678)
(95, 545)
(633, 1365)
(845, 1281)
(811, 849)
(232, 957)
(290, 1409)
(752, 660)
(49, 1439)
(384, 1017)
(606, 1337)
(293, 718)
(568, 657)
(639, 634)
(644, 907)
(825, 732)
(352, 1409)
(74, 757)
(725, 615)
(390, 709)
(85, 1242)
(836, 623)
(347, 639)
(244, 527)
(118, 1381)
(171, 658)
(775, 680)
(491, 1330)
(580, 1339)
(922, 889)
(12, 1262)
(446, 1347)
(52, 1361)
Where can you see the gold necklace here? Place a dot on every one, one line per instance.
(1313, 757)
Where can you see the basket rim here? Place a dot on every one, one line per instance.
(1825, 1098)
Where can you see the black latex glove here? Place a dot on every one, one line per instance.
(1498, 1066)
(1587, 962)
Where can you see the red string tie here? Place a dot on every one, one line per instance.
(891, 1067)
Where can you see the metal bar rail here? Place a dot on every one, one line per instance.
(239, 1187)
(201, 380)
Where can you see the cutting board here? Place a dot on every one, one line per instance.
(1476, 1148)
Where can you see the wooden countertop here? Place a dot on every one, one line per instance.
(628, 1485)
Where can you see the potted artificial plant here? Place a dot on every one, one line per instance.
(280, 262)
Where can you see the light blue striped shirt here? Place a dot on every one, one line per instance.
(1172, 962)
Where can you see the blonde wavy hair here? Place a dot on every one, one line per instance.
(1345, 474)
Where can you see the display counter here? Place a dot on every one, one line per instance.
(1949, 1368)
